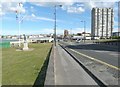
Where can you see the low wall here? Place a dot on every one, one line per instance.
(114, 43)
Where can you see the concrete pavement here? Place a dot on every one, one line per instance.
(67, 71)
(50, 80)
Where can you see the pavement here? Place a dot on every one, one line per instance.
(50, 80)
(64, 70)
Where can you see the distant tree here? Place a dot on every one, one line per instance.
(115, 37)
(2, 36)
(79, 34)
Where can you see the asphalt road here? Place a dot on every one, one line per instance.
(107, 55)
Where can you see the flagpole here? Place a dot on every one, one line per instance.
(19, 23)
(19, 31)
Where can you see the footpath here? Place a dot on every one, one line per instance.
(64, 70)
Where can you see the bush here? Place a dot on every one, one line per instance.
(115, 37)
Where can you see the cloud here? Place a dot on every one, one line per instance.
(75, 9)
(33, 17)
(52, 2)
(60, 1)
(68, 5)
(11, 7)
(47, 3)
(14, 0)
(1, 12)
(91, 4)
(116, 29)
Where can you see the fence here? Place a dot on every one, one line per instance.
(5, 45)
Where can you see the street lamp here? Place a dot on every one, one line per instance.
(84, 29)
(71, 35)
(55, 23)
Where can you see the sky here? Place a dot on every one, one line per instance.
(37, 16)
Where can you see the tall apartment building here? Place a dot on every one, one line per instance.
(102, 22)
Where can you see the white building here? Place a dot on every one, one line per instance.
(41, 39)
(14, 37)
(102, 22)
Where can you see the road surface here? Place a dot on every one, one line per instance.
(104, 54)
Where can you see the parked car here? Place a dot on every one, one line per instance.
(78, 40)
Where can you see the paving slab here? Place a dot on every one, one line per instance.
(67, 71)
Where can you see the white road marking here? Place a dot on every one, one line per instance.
(102, 51)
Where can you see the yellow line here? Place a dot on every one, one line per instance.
(96, 60)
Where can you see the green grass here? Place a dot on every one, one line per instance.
(108, 40)
(0, 66)
(23, 67)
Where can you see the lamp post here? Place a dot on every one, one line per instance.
(55, 23)
(84, 29)
(71, 35)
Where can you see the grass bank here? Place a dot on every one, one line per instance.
(23, 67)
(108, 40)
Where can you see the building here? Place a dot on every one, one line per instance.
(102, 22)
(86, 34)
(116, 34)
(66, 33)
(41, 39)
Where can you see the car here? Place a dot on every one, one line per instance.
(78, 40)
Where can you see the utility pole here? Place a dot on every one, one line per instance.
(55, 27)
(84, 22)
(118, 17)
(55, 23)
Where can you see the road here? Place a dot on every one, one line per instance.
(107, 55)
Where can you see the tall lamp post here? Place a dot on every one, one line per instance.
(55, 23)
(84, 29)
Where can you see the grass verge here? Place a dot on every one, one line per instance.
(23, 67)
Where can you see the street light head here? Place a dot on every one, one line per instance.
(60, 5)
